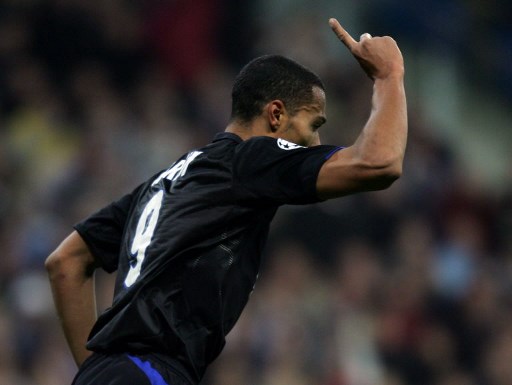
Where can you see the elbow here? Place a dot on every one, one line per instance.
(60, 265)
(51, 262)
(54, 264)
(381, 175)
(70, 258)
(393, 172)
(387, 179)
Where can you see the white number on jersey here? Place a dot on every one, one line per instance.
(143, 234)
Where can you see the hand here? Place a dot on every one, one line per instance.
(379, 57)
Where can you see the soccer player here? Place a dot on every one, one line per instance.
(186, 244)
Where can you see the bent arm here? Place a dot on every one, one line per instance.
(71, 272)
(375, 160)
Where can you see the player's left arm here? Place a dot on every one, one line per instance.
(71, 272)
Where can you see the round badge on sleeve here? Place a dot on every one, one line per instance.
(285, 145)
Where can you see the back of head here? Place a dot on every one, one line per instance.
(271, 77)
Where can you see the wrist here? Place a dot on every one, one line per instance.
(394, 76)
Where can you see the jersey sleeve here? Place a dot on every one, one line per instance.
(278, 172)
(103, 230)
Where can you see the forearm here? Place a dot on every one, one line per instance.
(382, 141)
(70, 270)
(374, 161)
(76, 308)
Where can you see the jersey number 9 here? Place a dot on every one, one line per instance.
(143, 234)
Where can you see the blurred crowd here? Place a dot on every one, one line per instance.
(408, 286)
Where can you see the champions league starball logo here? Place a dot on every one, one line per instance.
(285, 145)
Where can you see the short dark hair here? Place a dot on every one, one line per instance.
(271, 77)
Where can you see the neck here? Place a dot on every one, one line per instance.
(247, 130)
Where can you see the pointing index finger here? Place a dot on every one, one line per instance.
(343, 35)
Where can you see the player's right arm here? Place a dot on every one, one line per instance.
(70, 269)
(95, 243)
(374, 161)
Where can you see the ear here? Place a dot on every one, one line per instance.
(275, 111)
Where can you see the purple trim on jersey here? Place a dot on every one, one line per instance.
(333, 152)
(154, 377)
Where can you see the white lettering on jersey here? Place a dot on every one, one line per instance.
(178, 169)
(143, 235)
(285, 145)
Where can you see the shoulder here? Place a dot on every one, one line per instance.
(263, 153)
(266, 148)
(263, 146)
(270, 141)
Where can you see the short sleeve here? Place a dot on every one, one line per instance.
(276, 171)
(103, 231)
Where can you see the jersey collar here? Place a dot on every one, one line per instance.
(227, 135)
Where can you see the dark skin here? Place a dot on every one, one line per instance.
(373, 162)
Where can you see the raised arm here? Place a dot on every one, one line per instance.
(374, 161)
(70, 268)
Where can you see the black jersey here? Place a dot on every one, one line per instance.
(187, 244)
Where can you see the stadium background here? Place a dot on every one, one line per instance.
(412, 285)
